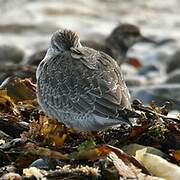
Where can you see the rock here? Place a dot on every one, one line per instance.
(33, 173)
(10, 169)
(40, 163)
(148, 69)
(132, 148)
(174, 62)
(10, 54)
(158, 166)
(158, 93)
(45, 163)
(35, 58)
(11, 175)
(174, 77)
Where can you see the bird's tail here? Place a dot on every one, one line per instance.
(129, 116)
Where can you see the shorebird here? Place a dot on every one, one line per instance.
(121, 39)
(82, 87)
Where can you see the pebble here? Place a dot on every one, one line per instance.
(11, 175)
(132, 148)
(45, 163)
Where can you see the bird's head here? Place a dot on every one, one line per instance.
(124, 36)
(63, 40)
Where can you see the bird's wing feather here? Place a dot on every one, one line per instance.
(89, 82)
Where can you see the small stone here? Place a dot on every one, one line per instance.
(11, 175)
(40, 163)
(45, 163)
(132, 148)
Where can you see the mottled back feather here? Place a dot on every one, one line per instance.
(83, 82)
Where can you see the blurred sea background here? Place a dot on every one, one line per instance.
(29, 24)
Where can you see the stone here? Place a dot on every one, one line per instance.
(132, 148)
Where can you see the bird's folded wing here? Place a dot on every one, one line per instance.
(93, 87)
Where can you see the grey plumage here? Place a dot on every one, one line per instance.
(121, 39)
(80, 86)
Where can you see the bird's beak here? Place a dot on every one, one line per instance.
(146, 40)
